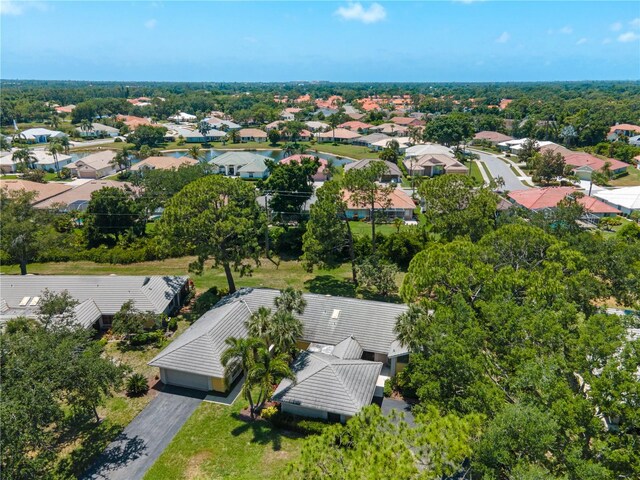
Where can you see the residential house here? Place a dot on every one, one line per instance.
(623, 129)
(625, 199)
(42, 160)
(408, 121)
(39, 135)
(98, 130)
(315, 126)
(194, 136)
(163, 163)
(221, 124)
(504, 103)
(140, 101)
(390, 129)
(427, 149)
(321, 175)
(356, 126)
(435, 164)
(289, 114)
(403, 143)
(401, 206)
(132, 121)
(339, 135)
(65, 108)
(393, 174)
(276, 125)
(43, 191)
(100, 297)
(95, 165)
(78, 197)
(538, 199)
(369, 140)
(183, 117)
(494, 138)
(252, 135)
(231, 164)
(584, 164)
(193, 359)
(334, 386)
(635, 140)
(514, 146)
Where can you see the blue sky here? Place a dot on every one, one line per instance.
(336, 41)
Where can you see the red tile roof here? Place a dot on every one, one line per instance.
(354, 125)
(582, 159)
(540, 198)
(624, 126)
(504, 103)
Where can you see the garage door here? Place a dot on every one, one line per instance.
(184, 379)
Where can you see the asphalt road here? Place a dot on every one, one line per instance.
(145, 438)
(498, 168)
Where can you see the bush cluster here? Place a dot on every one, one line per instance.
(137, 385)
(298, 424)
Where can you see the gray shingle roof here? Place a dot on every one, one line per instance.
(393, 169)
(328, 383)
(348, 349)
(237, 159)
(370, 322)
(199, 348)
(108, 292)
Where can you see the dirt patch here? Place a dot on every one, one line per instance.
(192, 471)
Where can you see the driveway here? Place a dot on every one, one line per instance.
(145, 438)
(389, 404)
(499, 168)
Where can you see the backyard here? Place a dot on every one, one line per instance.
(631, 179)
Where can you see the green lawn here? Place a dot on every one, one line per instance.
(364, 228)
(104, 146)
(216, 443)
(352, 151)
(631, 179)
(289, 273)
(474, 170)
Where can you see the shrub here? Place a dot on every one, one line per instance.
(388, 387)
(269, 412)
(117, 140)
(147, 338)
(172, 325)
(137, 385)
(206, 301)
(298, 424)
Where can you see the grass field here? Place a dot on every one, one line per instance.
(352, 151)
(631, 179)
(475, 172)
(216, 443)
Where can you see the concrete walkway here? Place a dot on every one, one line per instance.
(230, 397)
(400, 406)
(140, 444)
(498, 168)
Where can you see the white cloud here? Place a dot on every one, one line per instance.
(151, 23)
(616, 27)
(12, 7)
(635, 22)
(355, 11)
(582, 41)
(628, 37)
(504, 38)
(567, 29)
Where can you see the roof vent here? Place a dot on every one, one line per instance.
(24, 301)
(34, 301)
(335, 315)
(146, 280)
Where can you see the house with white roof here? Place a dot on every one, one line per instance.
(40, 135)
(242, 164)
(183, 117)
(98, 130)
(625, 199)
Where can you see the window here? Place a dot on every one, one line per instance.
(24, 301)
(333, 417)
(34, 301)
(370, 356)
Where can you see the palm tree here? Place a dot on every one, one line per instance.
(86, 125)
(24, 157)
(121, 160)
(258, 324)
(196, 153)
(407, 325)
(55, 149)
(204, 128)
(334, 121)
(241, 354)
(266, 372)
(291, 300)
(233, 136)
(284, 331)
(64, 141)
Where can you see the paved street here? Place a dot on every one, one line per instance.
(498, 168)
(145, 438)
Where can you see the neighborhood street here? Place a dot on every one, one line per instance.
(499, 168)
